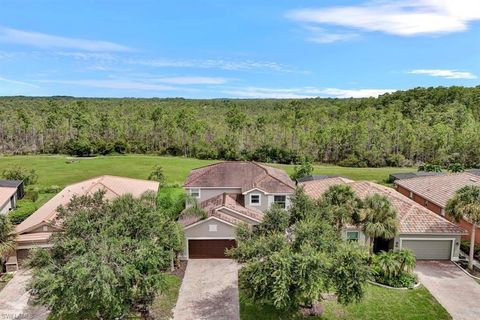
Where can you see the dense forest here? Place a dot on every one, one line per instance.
(434, 125)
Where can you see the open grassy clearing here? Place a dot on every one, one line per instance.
(62, 170)
(379, 303)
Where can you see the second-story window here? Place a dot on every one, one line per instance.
(195, 193)
(255, 200)
(280, 201)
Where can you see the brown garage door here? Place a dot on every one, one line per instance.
(209, 249)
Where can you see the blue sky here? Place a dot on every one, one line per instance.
(238, 49)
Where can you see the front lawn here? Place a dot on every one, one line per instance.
(379, 303)
(162, 308)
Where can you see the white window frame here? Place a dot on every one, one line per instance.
(199, 194)
(353, 231)
(280, 195)
(259, 200)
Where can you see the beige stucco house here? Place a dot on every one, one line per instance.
(36, 230)
(230, 192)
(429, 236)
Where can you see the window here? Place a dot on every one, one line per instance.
(426, 203)
(411, 195)
(255, 199)
(280, 201)
(443, 212)
(195, 193)
(352, 236)
(212, 228)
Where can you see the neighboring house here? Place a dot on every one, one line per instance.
(427, 234)
(409, 175)
(230, 192)
(434, 192)
(10, 192)
(36, 230)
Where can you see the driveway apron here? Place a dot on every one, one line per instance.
(457, 292)
(209, 291)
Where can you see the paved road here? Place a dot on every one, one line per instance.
(458, 293)
(209, 291)
(14, 300)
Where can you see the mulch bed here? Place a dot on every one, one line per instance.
(180, 269)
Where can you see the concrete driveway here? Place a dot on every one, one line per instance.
(458, 293)
(209, 291)
(14, 300)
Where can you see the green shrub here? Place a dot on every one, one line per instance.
(394, 268)
(80, 147)
(32, 194)
(352, 161)
(29, 177)
(50, 189)
(465, 247)
(24, 209)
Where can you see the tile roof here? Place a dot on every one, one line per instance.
(219, 207)
(413, 218)
(113, 186)
(439, 189)
(243, 174)
(6, 194)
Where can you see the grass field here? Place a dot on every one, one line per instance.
(379, 303)
(61, 170)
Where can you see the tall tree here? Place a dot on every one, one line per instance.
(344, 205)
(379, 219)
(466, 205)
(110, 259)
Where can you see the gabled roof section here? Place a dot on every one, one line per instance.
(242, 174)
(439, 189)
(413, 218)
(112, 185)
(222, 206)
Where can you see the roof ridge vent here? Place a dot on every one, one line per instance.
(473, 179)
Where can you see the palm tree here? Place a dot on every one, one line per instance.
(7, 244)
(466, 205)
(379, 219)
(407, 260)
(193, 209)
(342, 201)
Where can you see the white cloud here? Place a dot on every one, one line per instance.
(444, 73)
(15, 82)
(303, 92)
(402, 18)
(211, 64)
(192, 80)
(115, 84)
(320, 35)
(43, 40)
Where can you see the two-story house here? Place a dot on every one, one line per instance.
(230, 192)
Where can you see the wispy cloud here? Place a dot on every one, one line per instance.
(192, 80)
(303, 92)
(232, 65)
(115, 84)
(445, 73)
(321, 35)
(401, 18)
(16, 82)
(44, 40)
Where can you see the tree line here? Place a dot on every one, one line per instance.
(423, 125)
